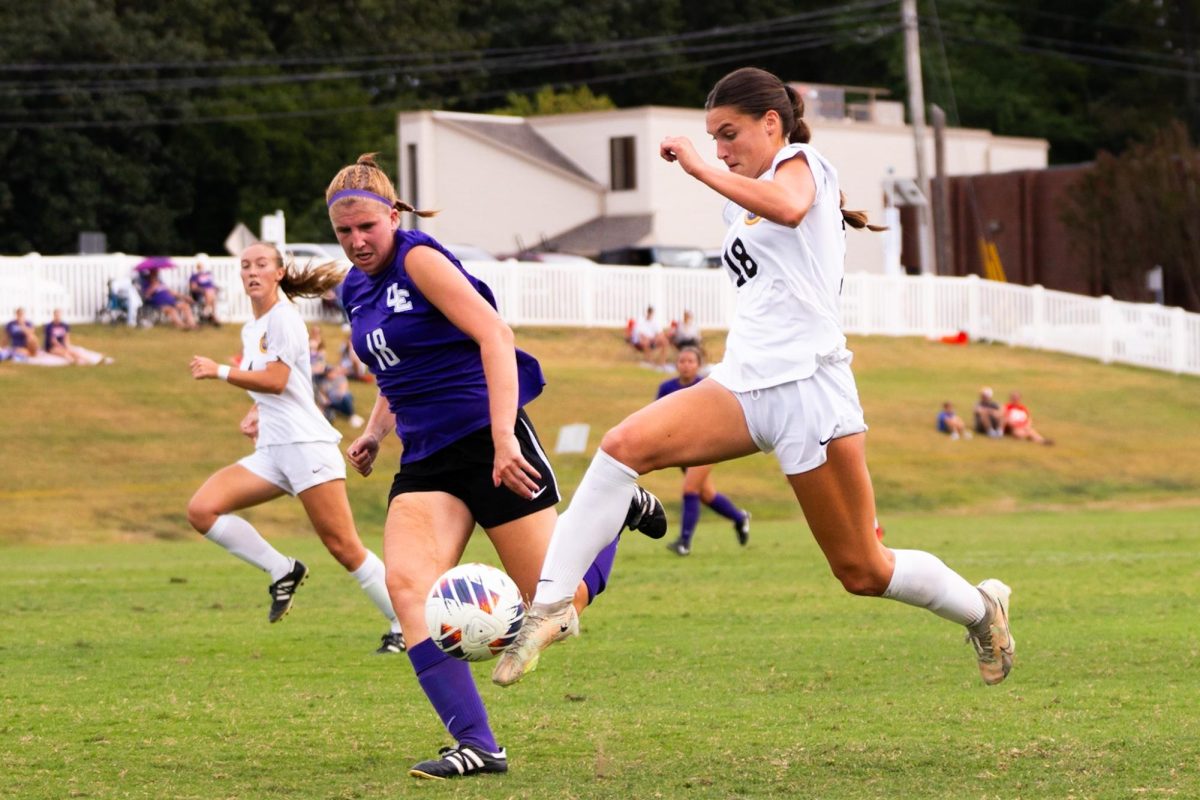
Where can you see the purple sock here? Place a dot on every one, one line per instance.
(721, 504)
(448, 684)
(691, 515)
(596, 577)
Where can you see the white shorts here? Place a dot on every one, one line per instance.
(798, 420)
(296, 467)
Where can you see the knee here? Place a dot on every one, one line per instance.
(345, 550)
(862, 579)
(625, 445)
(201, 514)
(405, 594)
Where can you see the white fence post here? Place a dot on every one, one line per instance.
(1107, 329)
(974, 321)
(1038, 296)
(588, 295)
(927, 305)
(1178, 340)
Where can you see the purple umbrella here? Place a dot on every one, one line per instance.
(154, 262)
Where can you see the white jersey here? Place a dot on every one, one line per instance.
(788, 285)
(293, 416)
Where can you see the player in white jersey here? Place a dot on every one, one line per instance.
(785, 386)
(296, 449)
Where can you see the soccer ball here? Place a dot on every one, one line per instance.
(473, 612)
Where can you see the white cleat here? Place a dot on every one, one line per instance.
(993, 641)
(545, 624)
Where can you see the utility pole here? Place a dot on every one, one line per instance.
(939, 194)
(916, 112)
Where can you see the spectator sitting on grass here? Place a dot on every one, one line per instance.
(20, 339)
(1018, 422)
(989, 418)
(950, 422)
(648, 338)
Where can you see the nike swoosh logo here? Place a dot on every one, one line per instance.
(545, 580)
(563, 628)
(537, 494)
(355, 309)
(827, 441)
(318, 469)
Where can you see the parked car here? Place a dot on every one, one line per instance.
(545, 257)
(469, 252)
(687, 257)
(304, 252)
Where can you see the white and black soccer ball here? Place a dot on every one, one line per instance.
(473, 612)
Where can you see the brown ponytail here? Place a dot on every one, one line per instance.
(365, 174)
(857, 219)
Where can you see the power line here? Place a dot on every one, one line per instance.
(758, 51)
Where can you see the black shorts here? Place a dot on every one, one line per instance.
(464, 469)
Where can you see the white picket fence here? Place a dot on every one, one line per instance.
(569, 295)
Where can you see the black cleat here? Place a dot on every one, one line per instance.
(392, 643)
(283, 590)
(646, 514)
(741, 528)
(462, 760)
(679, 547)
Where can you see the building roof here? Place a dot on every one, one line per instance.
(522, 138)
(601, 233)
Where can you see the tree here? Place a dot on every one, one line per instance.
(1134, 211)
(548, 101)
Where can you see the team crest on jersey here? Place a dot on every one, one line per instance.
(262, 344)
(752, 218)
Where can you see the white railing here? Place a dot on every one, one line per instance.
(1142, 334)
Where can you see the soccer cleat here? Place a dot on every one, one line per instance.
(283, 590)
(991, 637)
(392, 643)
(460, 760)
(741, 528)
(679, 547)
(646, 514)
(545, 624)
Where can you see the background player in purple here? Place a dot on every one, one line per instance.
(21, 337)
(453, 385)
(698, 486)
(203, 289)
(155, 293)
(57, 342)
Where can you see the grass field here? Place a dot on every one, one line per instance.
(135, 659)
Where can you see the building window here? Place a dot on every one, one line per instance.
(622, 163)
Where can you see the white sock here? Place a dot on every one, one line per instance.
(921, 579)
(372, 577)
(596, 513)
(239, 537)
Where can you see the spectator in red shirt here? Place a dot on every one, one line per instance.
(1018, 422)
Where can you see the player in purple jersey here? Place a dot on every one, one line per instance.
(57, 342)
(454, 386)
(203, 289)
(698, 486)
(784, 384)
(21, 336)
(295, 448)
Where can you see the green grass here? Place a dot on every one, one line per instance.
(135, 659)
(151, 672)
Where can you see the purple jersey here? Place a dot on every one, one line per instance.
(667, 387)
(430, 371)
(200, 281)
(16, 334)
(56, 333)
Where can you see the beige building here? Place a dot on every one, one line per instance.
(591, 181)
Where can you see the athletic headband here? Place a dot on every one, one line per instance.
(344, 193)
